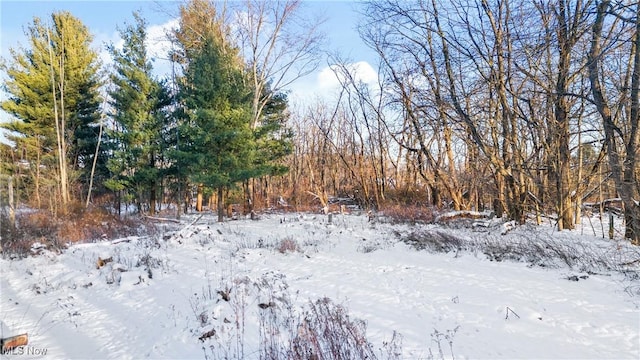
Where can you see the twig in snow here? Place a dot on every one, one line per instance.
(207, 335)
(513, 312)
(118, 241)
(628, 263)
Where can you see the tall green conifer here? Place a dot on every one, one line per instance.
(139, 104)
(217, 146)
(54, 82)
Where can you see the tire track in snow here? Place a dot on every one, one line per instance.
(426, 292)
(43, 320)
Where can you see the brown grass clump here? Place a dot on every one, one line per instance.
(413, 214)
(77, 225)
(328, 332)
(39, 224)
(92, 224)
(288, 244)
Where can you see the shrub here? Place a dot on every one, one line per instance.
(327, 332)
(412, 214)
(38, 224)
(288, 244)
(435, 241)
(319, 330)
(78, 225)
(92, 224)
(534, 248)
(29, 228)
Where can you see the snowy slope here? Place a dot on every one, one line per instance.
(162, 292)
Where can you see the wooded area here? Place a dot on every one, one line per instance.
(528, 108)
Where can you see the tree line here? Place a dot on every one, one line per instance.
(82, 132)
(524, 107)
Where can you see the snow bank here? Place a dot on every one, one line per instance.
(233, 281)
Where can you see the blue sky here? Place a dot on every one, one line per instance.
(103, 18)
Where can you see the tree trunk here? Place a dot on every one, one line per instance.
(93, 166)
(37, 179)
(561, 141)
(199, 199)
(178, 198)
(153, 196)
(248, 197)
(628, 188)
(578, 196)
(622, 168)
(187, 198)
(119, 203)
(12, 209)
(59, 125)
(152, 200)
(220, 205)
(265, 194)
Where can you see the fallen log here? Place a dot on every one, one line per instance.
(13, 342)
(461, 215)
(162, 219)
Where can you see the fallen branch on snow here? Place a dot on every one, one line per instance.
(179, 233)
(513, 312)
(207, 335)
(162, 219)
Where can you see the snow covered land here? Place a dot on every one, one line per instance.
(258, 288)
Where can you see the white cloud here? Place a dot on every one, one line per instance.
(158, 46)
(100, 43)
(330, 77)
(158, 43)
(325, 83)
(366, 73)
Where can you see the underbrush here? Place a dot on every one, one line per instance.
(257, 319)
(533, 247)
(408, 214)
(40, 229)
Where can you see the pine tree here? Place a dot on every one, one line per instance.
(217, 145)
(273, 137)
(139, 102)
(53, 94)
(221, 143)
(273, 140)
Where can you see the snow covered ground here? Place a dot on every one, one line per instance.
(163, 292)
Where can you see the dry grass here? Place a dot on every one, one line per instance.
(328, 332)
(288, 244)
(92, 224)
(77, 225)
(413, 214)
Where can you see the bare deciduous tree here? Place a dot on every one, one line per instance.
(621, 128)
(279, 44)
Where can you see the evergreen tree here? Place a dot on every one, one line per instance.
(274, 139)
(221, 144)
(217, 145)
(273, 142)
(53, 94)
(140, 110)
